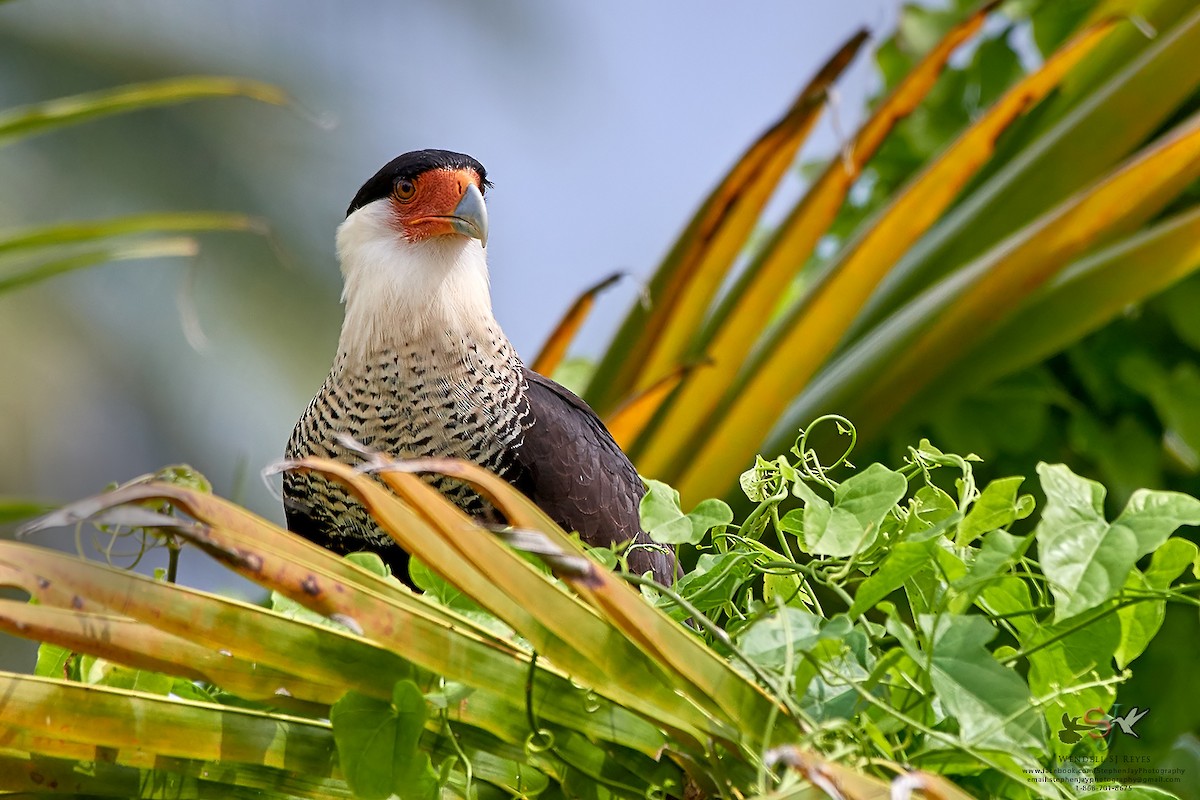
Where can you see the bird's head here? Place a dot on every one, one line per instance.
(426, 194)
(412, 251)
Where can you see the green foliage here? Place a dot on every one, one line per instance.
(1086, 559)
(665, 521)
(18, 123)
(13, 509)
(851, 523)
(1115, 403)
(934, 627)
(903, 617)
(36, 254)
(949, 273)
(378, 745)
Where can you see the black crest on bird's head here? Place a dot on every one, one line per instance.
(409, 166)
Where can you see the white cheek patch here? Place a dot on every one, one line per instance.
(399, 292)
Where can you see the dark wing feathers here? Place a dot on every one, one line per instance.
(570, 466)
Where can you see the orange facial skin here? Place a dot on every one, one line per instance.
(424, 206)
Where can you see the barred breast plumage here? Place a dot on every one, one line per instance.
(442, 396)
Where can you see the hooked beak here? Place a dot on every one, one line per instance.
(470, 215)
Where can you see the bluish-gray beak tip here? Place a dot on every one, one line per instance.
(470, 215)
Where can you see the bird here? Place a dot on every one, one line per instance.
(1070, 732)
(424, 370)
(1131, 718)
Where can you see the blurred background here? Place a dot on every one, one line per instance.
(601, 127)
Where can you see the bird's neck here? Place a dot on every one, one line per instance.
(404, 294)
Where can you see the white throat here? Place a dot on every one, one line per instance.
(399, 292)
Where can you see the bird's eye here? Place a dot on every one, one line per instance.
(405, 189)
